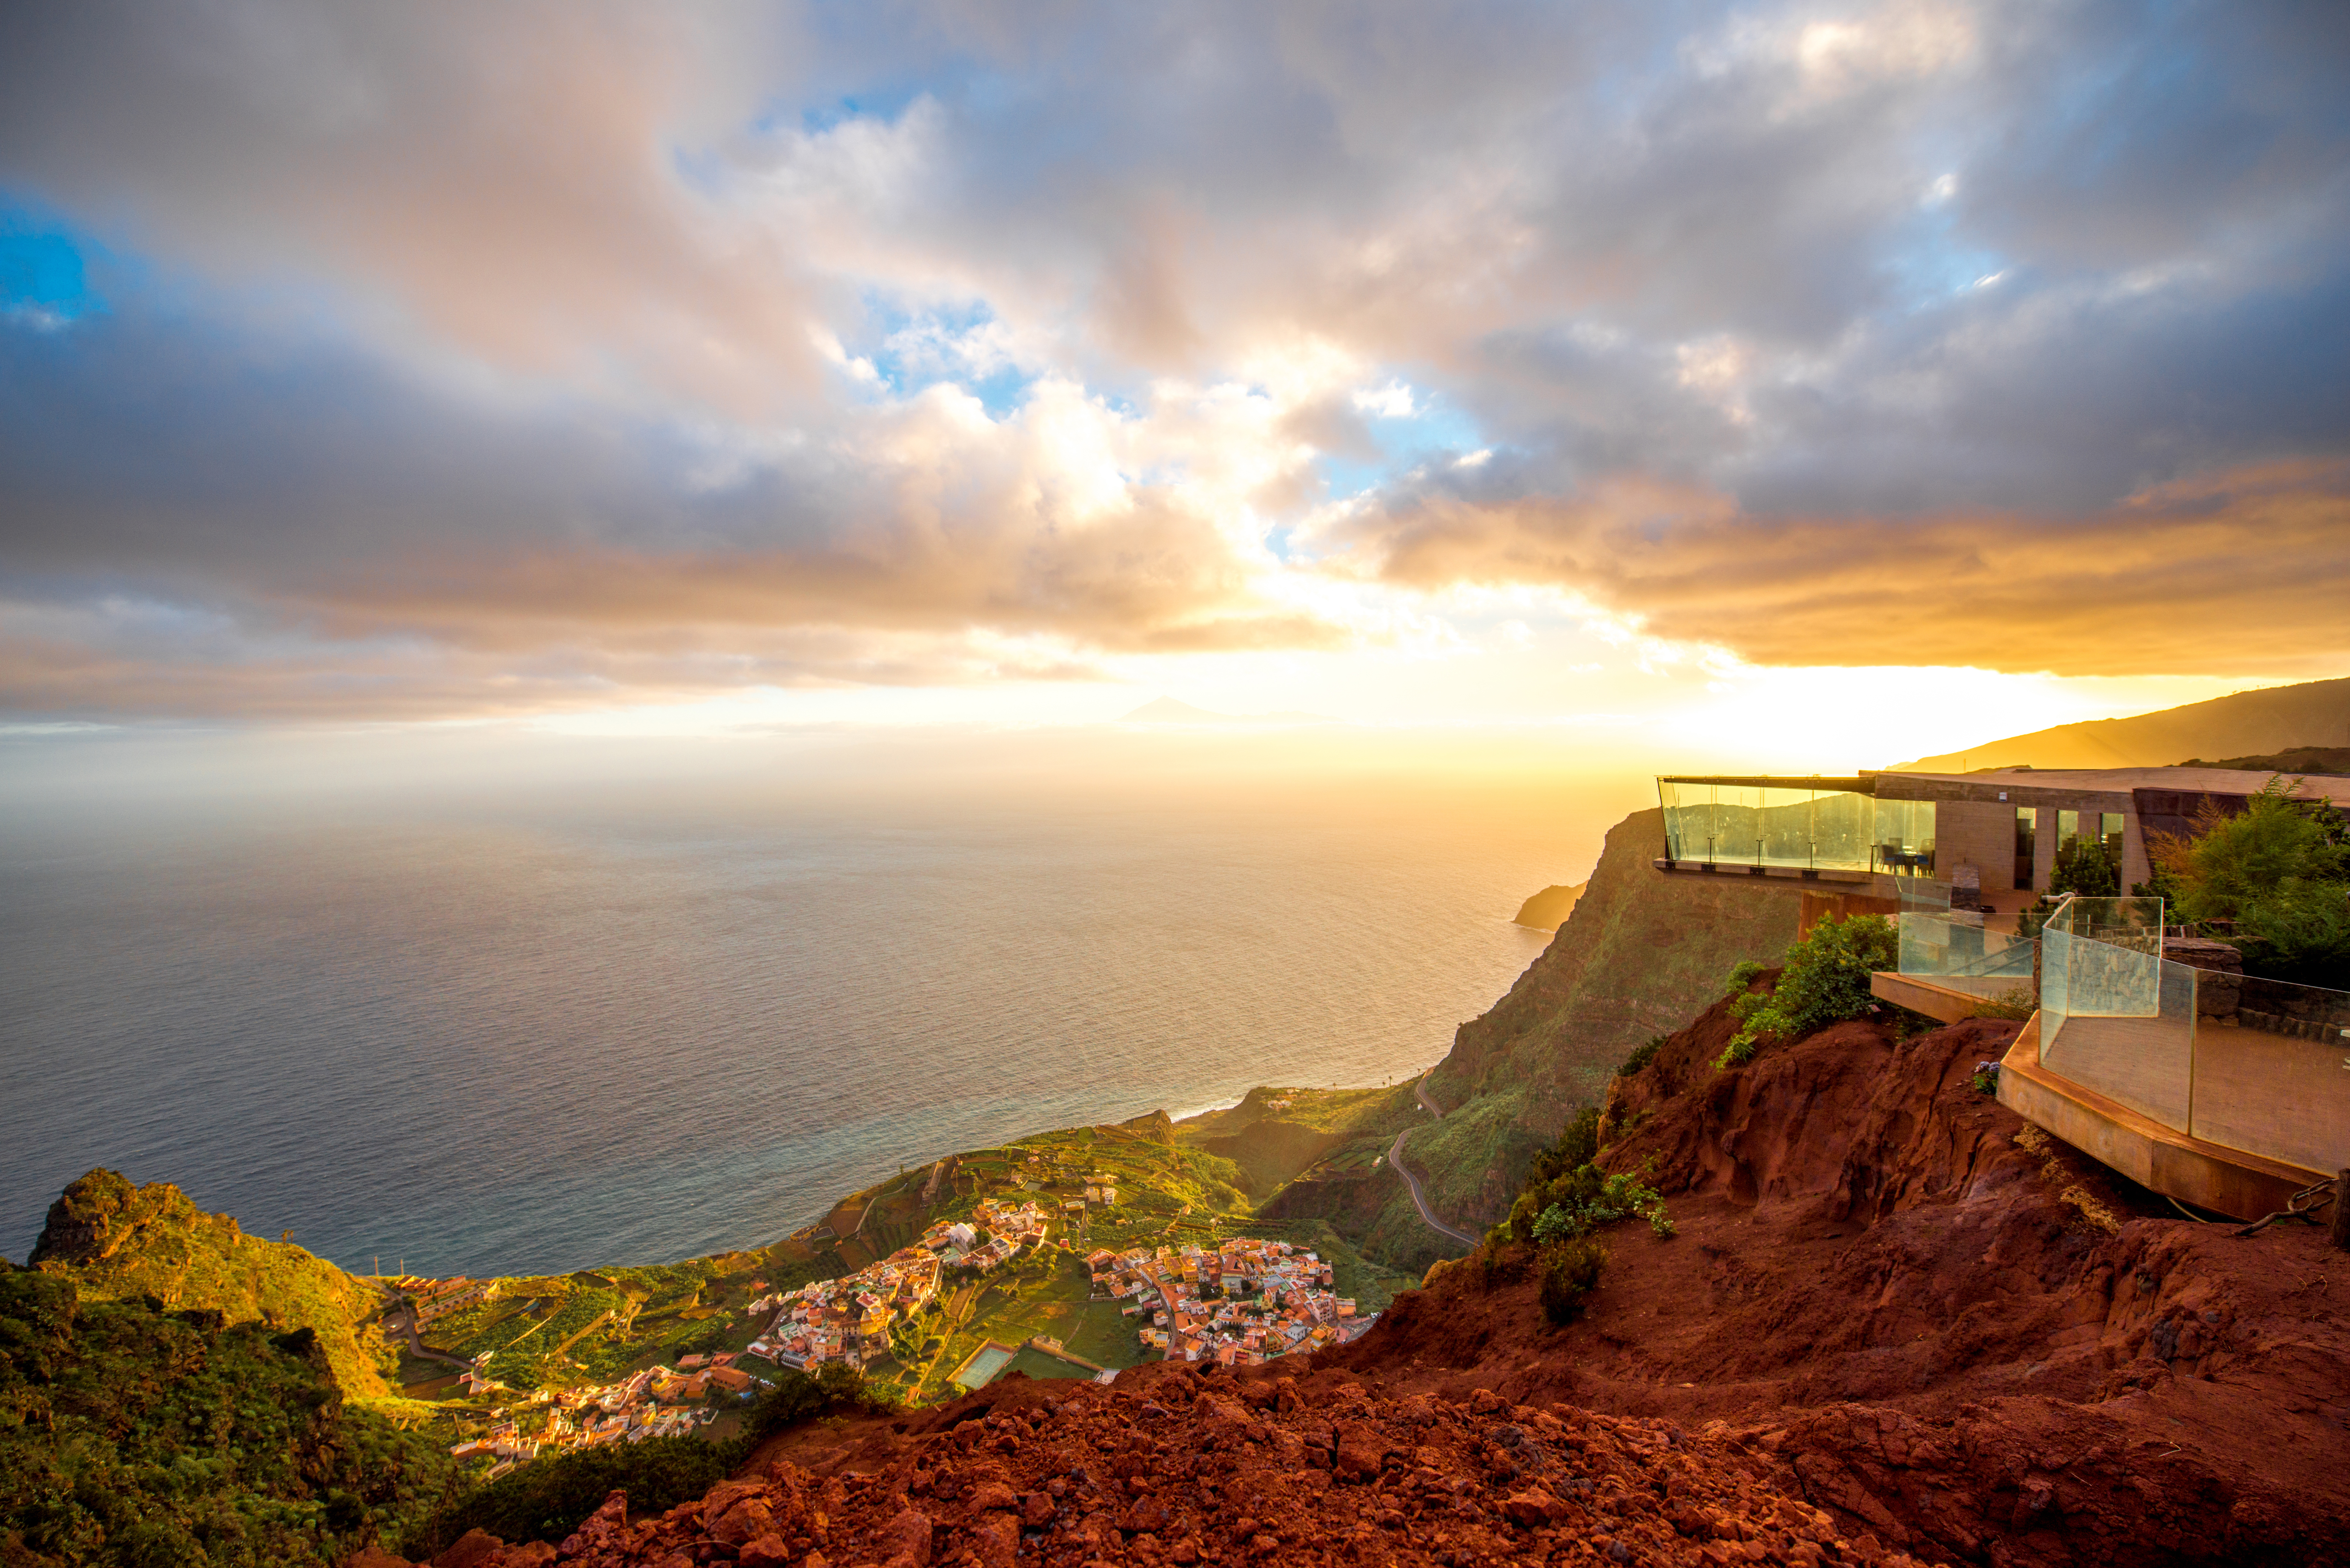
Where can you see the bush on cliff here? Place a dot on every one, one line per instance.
(1589, 1200)
(1570, 1272)
(1825, 982)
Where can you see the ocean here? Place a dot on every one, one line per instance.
(501, 1038)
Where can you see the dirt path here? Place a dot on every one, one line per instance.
(1420, 1088)
(1420, 1199)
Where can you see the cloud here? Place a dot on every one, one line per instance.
(2225, 573)
(458, 359)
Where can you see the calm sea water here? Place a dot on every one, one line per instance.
(488, 1043)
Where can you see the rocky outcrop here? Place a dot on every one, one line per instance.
(119, 1242)
(1548, 910)
(1176, 1467)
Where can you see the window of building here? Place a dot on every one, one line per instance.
(2025, 823)
(2109, 829)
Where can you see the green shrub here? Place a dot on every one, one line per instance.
(1641, 1057)
(2280, 871)
(1570, 1272)
(2085, 867)
(1590, 1200)
(2239, 861)
(1743, 974)
(1825, 982)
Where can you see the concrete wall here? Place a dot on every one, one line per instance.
(1977, 834)
(1973, 825)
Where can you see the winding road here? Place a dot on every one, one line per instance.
(1412, 1182)
(404, 1320)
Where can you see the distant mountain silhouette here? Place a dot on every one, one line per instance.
(2248, 723)
(1168, 710)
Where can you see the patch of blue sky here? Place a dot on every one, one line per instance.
(1928, 262)
(43, 279)
(1434, 431)
(885, 101)
(914, 348)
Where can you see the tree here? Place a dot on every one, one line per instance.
(2280, 871)
(2235, 861)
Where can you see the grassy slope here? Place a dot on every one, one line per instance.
(121, 1243)
(1642, 953)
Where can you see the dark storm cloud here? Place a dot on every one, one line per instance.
(522, 350)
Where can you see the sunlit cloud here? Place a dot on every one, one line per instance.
(583, 361)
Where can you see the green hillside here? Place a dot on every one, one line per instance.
(121, 1243)
(1640, 955)
(130, 1434)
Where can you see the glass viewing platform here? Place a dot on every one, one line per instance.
(2257, 1066)
(1802, 823)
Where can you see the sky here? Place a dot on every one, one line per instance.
(1753, 382)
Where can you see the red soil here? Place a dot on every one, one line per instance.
(1946, 1327)
(1177, 1468)
(1895, 1320)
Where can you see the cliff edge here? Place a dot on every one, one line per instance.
(1940, 1325)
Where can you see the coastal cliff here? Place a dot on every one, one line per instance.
(1640, 953)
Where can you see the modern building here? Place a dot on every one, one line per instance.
(1995, 833)
(2154, 1053)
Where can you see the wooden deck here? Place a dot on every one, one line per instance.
(2208, 1175)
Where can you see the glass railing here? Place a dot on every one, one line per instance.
(1952, 948)
(2255, 1064)
(1792, 825)
(2272, 1076)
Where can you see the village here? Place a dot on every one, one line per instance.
(658, 1402)
(851, 1320)
(1241, 1302)
(1238, 1302)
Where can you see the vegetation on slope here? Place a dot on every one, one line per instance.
(2278, 874)
(131, 1434)
(1825, 982)
(121, 1242)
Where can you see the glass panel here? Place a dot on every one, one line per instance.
(2115, 972)
(2109, 829)
(2251, 1063)
(2056, 993)
(1841, 824)
(1905, 838)
(2113, 1017)
(1952, 948)
(2270, 1070)
(1773, 825)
